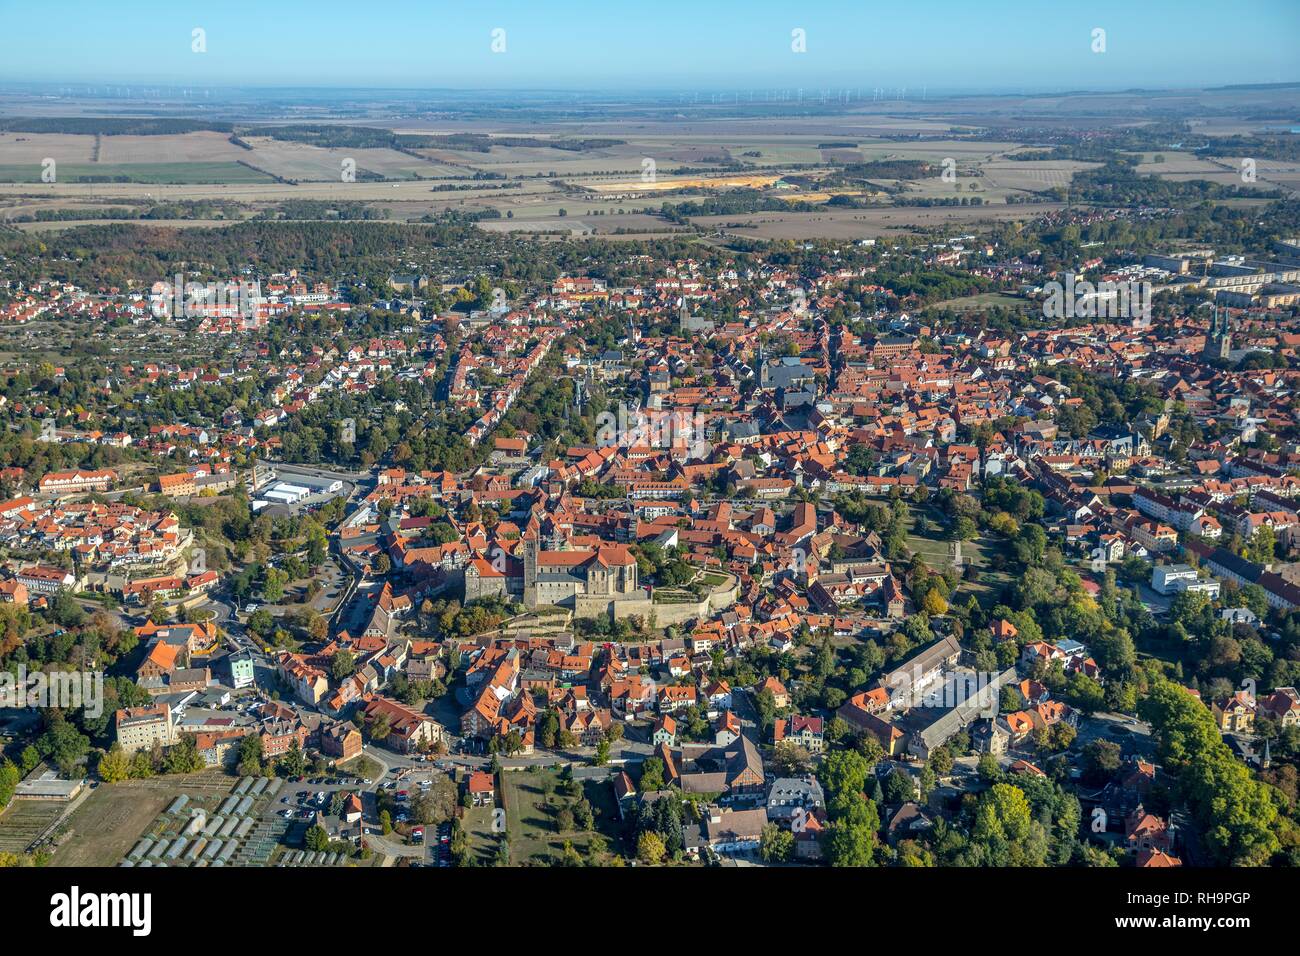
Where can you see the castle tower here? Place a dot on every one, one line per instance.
(529, 552)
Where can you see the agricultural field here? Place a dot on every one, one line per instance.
(115, 816)
(660, 184)
(595, 191)
(97, 174)
(302, 161)
(202, 157)
(865, 223)
(105, 827)
(1002, 177)
(965, 152)
(24, 821)
(30, 149)
(201, 147)
(1224, 170)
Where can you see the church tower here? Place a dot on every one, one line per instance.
(1218, 342)
(529, 551)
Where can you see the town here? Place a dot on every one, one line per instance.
(723, 539)
(760, 529)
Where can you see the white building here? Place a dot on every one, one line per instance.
(1175, 578)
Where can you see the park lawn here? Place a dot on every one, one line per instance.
(477, 822)
(936, 551)
(531, 823)
(983, 300)
(931, 545)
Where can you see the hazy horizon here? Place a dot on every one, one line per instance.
(947, 48)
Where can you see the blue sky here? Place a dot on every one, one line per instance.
(664, 44)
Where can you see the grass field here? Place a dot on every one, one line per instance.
(104, 828)
(532, 800)
(983, 300)
(929, 542)
(934, 547)
(302, 161)
(477, 822)
(867, 223)
(162, 173)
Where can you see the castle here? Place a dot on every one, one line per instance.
(604, 574)
(550, 568)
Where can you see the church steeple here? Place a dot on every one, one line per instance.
(1218, 341)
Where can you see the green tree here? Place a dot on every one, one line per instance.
(844, 772)
(317, 839)
(250, 755)
(776, 845)
(652, 775)
(1237, 814)
(650, 848)
(1004, 829)
(293, 763)
(183, 757)
(343, 665)
(850, 838)
(9, 779)
(114, 766)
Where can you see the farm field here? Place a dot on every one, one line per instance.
(1027, 176)
(32, 148)
(303, 161)
(866, 223)
(599, 190)
(105, 827)
(200, 147)
(24, 821)
(1224, 170)
(668, 185)
(97, 173)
